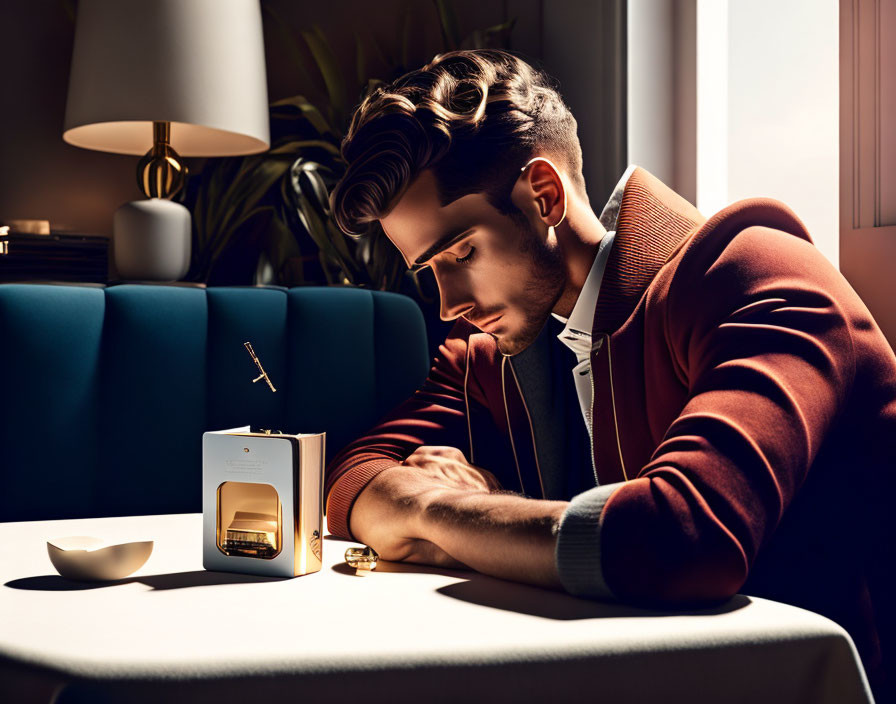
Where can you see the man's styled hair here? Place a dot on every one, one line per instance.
(475, 117)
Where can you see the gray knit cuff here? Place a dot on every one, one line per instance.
(578, 544)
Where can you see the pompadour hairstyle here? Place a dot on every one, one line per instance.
(475, 117)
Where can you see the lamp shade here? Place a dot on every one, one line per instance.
(198, 64)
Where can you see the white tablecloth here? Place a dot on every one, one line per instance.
(173, 632)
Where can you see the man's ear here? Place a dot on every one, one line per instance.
(540, 191)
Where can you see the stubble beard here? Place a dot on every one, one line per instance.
(543, 289)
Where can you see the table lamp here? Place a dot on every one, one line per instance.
(165, 79)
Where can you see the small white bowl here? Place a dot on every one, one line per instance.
(90, 559)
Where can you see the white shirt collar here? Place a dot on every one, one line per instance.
(577, 333)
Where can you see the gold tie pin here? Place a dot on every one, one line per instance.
(264, 374)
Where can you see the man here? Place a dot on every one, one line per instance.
(644, 404)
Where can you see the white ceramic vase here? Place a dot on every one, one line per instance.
(151, 240)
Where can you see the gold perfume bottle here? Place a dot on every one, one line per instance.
(262, 501)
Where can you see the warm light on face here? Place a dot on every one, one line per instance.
(487, 265)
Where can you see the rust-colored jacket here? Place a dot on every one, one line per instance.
(744, 422)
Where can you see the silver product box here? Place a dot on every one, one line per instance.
(262, 502)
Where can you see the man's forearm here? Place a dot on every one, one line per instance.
(502, 535)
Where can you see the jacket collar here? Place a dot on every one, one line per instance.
(653, 221)
(576, 333)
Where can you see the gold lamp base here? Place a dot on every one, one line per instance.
(160, 172)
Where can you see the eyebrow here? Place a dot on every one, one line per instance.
(443, 244)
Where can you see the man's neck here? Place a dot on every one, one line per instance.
(579, 241)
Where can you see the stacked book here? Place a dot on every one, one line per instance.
(53, 257)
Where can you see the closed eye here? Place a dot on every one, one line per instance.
(466, 258)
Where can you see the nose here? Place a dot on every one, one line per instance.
(454, 299)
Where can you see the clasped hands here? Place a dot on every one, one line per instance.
(401, 511)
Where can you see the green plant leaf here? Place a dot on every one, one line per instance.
(317, 189)
(196, 214)
(318, 231)
(292, 45)
(448, 24)
(307, 182)
(328, 66)
(360, 59)
(341, 243)
(229, 173)
(294, 148)
(212, 193)
(242, 196)
(308, 111)
(233, 228)
(488, 37)
(388, 260)
(258, 180)
(499, 28)
(282, 244)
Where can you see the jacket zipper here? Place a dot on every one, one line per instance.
(509, 428)
(591, 424)
(531, 429)
(613, 404)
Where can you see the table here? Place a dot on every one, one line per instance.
(173, 632)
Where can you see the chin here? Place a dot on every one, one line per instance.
(512, 342)
(503, 348)
(513, 345)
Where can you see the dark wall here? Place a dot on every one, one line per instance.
(41, 176)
